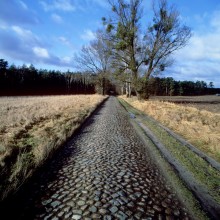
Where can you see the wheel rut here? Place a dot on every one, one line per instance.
(102, 173)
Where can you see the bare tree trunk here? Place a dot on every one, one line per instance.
(138, 94)
(127, 93)
(129, 90)
(103, 86)
(122, 90)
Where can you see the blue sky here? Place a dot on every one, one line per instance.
(47, 34)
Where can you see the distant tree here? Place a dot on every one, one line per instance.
(168, 84)
(200, 87)
(13, 80)
(79, 83)
(27, 80)
(211, 85)
(181, 91)
(3, 75)
(95, 58)
(69, 81)
(3, 64)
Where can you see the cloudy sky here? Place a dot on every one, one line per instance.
(47, 33)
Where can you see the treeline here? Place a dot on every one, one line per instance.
(27, 80)
(24, 80)
(169, 87)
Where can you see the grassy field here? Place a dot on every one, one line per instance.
(33, 127)
(194, 118)
(209, 103)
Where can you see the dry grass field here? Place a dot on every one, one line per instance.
(209, 102)
(196, 119)
(33, 127)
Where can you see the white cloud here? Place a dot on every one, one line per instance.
(4, 27)
(88, 35)
(201, 18)
(215, 21)
(19, 44)
(56, 18)
(202, 47)
(64, 40)
(23, 5)
(22, 32)
(41, 52)
(200, 59)
(63, 5)
(67, 60)
(26, 36)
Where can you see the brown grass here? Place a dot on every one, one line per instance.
(33, 127)
(199, 127)
(209, 103)
(203, 98)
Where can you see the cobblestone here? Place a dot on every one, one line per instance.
(101, 174)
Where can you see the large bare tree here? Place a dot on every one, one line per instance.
(123, 33)
(132, 52)
(95, 58)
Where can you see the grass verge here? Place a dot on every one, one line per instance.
(199, 168)
(201, 128)
(183, 193)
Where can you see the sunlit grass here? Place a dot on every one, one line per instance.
(199, 127)
(209, 103)
(203, 173)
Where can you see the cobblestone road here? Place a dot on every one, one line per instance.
(101, 174)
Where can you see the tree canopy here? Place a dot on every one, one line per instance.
(135, 48)
(95, 58)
